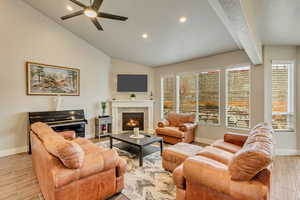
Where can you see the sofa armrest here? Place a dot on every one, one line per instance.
(187, 126)
(110, 158)
(206, 171)
(178, 177)
(121, 167)
(68, 135)
(235, 138)
(215, 175)
(163, 123)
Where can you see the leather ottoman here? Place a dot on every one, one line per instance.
(176, 154)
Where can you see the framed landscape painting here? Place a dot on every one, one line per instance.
(52, 80)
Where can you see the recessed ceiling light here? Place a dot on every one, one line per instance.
(182, 19)
(69, 8)
(145, 35)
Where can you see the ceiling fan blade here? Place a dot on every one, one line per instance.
(97, 24)
(72, 15)
(78, 3)
(110, 16)
(96, 4)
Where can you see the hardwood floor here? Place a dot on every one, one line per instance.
(286, 178)
(18, 181)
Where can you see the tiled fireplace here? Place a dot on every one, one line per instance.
(127, 114)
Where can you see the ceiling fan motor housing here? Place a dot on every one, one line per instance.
(92, 12)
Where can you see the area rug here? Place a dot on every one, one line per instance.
(150, 182)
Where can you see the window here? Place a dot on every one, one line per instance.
(187, 93)
(168, 86)
(209, 97)
(282, 97)
(238, 98)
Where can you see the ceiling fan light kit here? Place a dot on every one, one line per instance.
(89, 12)
(92, 12)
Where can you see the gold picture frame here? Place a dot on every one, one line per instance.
(52, 80)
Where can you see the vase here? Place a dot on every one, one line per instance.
(136, 132)
(57, 102)
(103, 111)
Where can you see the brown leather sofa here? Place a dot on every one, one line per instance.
(236, 168)
(177, 128)
(70, 168)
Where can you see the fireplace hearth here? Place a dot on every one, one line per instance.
(131, 120)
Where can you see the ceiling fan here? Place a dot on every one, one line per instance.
(92, 12)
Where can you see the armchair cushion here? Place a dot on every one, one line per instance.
(176, 119)
(217, 154)
(235, 138)
(187, 126)
(170, 131)
(232, 148)
(97, 159)
(70, 153)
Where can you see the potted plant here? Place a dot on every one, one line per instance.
(103, 106)
(132, 97)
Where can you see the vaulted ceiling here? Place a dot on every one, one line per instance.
(212, 27)
(168, 40)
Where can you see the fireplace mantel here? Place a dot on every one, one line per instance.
(116, 105)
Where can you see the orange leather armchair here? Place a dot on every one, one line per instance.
(235, 168)
(100, 176)
(177, 128)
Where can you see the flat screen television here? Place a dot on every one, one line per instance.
(132, 83)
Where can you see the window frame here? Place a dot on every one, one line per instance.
(219, 99)
(291, 94)
(162, 111)
(178, 90)
(232, 68)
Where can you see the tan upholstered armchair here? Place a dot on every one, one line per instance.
(177, 128)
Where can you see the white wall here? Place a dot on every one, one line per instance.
(27, 35)
(123, 67)
(218, 62)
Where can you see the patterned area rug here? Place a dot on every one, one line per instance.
(150, 182)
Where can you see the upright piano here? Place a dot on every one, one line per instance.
(65, 120)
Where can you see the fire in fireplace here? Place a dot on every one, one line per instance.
(132, 120)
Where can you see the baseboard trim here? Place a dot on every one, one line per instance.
(12, 151)
(204, 140)
(287, 152)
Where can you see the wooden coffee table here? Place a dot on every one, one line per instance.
(141, 147)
